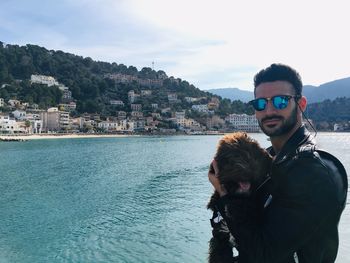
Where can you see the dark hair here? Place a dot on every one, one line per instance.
(281, 72)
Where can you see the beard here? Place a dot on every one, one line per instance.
(286, 126)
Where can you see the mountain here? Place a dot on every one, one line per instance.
(330, 90)
(327, 91)
(233, 94)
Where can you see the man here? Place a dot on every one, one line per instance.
(300, 206)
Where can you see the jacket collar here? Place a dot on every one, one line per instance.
(301, 136)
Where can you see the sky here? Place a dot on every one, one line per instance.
(211, 44)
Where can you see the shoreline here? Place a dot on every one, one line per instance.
(76, 136)
(59, 136)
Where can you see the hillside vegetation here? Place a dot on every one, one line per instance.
(87, 81)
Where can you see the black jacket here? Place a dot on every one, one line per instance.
(300, 207)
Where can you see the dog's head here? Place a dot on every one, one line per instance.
(241, 159)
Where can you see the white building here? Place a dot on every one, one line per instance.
(36, 124)
(243, 122)
(190, 99)
(200, 108)
(42, 79)
(146, 92)
(2, 102)
(136, 114)
(180, 118)
(67, 94)
(19, 114)
(14, 103)
(139, 125)
(136, 107)
(117, 103)
(131, 96)
(172, 97)
(121, 115)
(117, 126)
(10, 126)
(68, 106)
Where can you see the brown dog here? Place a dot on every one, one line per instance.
(240, 160)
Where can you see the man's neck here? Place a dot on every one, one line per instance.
(279, 141)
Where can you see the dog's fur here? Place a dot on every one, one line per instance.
(239, 159)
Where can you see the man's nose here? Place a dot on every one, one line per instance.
(269, 107)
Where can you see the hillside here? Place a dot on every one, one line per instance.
(329, 112)
(105, 88)
(233, 94)
(93, 84)
(330, 90)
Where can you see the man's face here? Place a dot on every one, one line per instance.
(272, 121)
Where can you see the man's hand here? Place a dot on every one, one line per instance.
(244, 187)
(214, 180)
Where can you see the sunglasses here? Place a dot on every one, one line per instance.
(280, 102)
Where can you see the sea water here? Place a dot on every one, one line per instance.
(131, 199)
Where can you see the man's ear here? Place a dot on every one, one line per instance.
(302, 103)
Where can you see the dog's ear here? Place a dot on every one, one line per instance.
(213, 201)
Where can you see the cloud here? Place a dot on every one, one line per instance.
(210, 44)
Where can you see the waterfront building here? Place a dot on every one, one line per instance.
(215, 122)
(117, 126)
(10, 126)
(55, 120)
(243, 122)
(180, 118)
(139, 125)
(151, 124)
(36, 123)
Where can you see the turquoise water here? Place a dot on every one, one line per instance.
(134, 199)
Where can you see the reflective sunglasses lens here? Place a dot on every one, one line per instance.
(280, 102)
(259, 104)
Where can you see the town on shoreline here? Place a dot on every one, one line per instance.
(132, 116)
